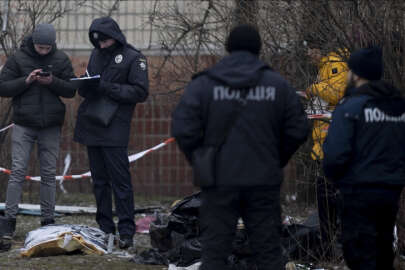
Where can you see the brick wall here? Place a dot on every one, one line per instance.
(163, 172)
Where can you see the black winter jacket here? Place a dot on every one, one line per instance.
(365, 146)
(37, 105)
(124, 78)
(269, 129)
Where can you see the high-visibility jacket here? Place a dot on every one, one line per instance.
(326, 92)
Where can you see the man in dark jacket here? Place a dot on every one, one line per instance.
(124, 83)
(365, 155)
(268, 129)
(36, 76)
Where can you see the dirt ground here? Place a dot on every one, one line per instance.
(118, 260)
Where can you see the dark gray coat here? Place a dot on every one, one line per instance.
(37, 105)
(124, 79)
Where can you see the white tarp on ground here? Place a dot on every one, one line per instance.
(63, 209)
(62, 239)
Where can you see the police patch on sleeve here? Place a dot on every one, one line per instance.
(142, 63)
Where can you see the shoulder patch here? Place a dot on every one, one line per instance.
(142, 63)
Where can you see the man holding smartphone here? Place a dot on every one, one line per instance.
(35, 77)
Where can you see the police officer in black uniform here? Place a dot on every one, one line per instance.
(270, 126)
(365, 155)
(124, 81)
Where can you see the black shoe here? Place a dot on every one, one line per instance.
(7, 229)
(47, 221)
(5, 244)
(126, 241)
(7, 226)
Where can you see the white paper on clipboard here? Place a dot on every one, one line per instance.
(86, 78)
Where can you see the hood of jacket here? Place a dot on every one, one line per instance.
(109, 27)
(238, 70)
(377, 89)
(27, 46)
(339, 56)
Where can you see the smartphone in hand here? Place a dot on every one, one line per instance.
(44, 73)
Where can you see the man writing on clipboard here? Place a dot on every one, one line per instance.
(104, 120)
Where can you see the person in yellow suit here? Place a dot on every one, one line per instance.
(324, 94)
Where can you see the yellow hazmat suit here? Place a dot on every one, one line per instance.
(325, 94)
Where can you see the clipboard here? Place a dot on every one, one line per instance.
(95, 77)
(88, 82)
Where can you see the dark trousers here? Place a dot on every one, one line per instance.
(368, 219)
(259, 207)
(327, 211)
(109, 168)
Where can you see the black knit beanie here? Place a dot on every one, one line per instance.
(244, 38)
(44, 34)
(367, 63)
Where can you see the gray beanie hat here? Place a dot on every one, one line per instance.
(44, 34)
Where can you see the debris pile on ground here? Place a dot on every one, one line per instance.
(175, 239)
